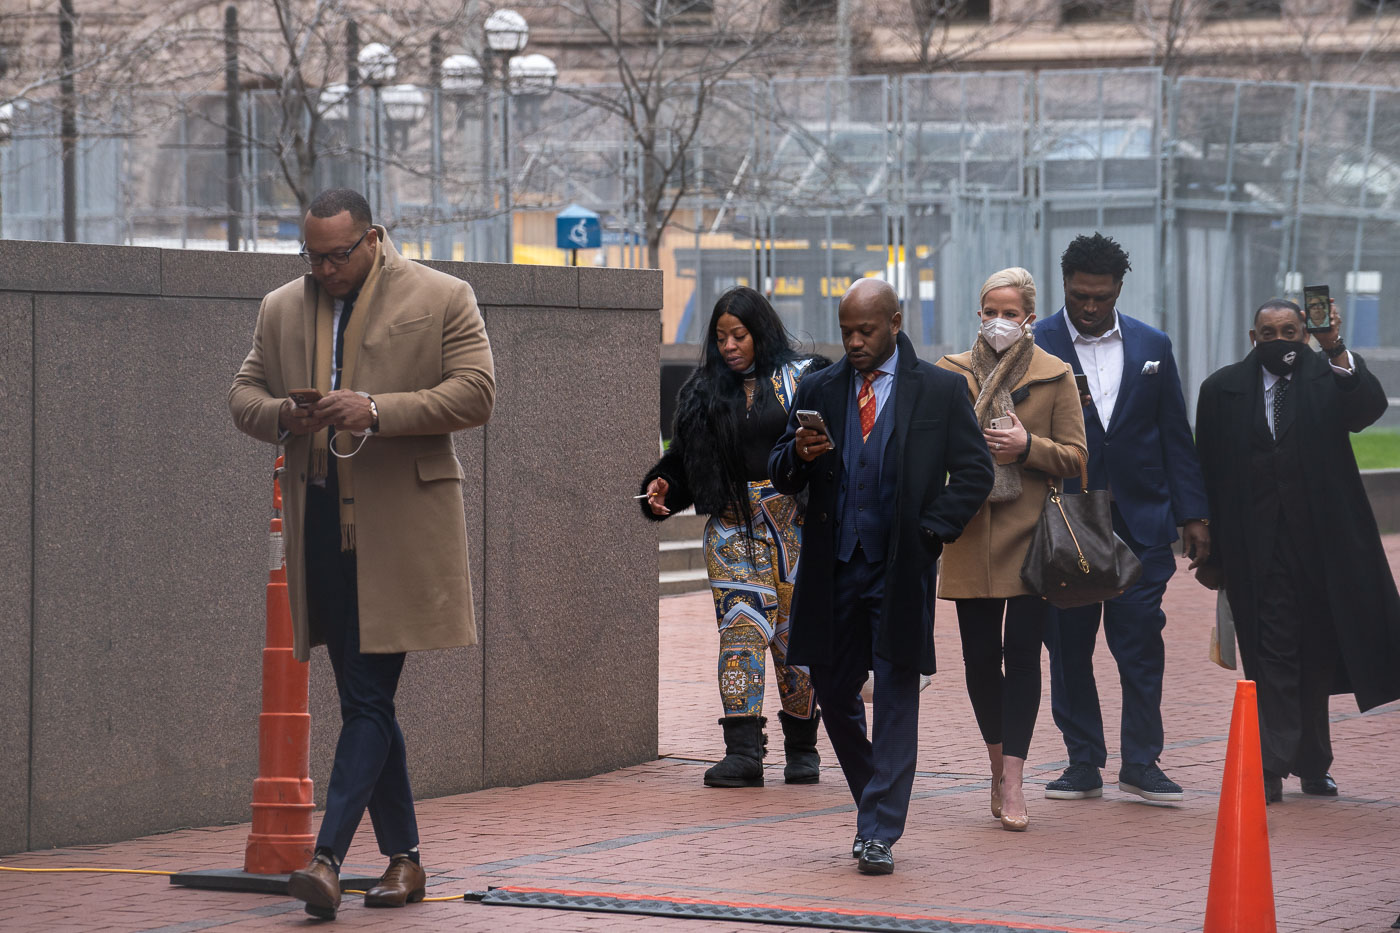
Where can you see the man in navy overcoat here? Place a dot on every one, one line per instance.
(1142, 451)
(904, 469)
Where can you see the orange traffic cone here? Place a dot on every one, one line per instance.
(281, 839)
(1241, 896)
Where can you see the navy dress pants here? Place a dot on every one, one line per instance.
(1133, 626)
(371, 767)
(879, 769)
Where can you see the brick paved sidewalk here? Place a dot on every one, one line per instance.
(1113, 864)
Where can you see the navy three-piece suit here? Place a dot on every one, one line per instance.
(879, 513)
(1147, 460)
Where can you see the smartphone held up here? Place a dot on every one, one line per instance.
(1317, 307)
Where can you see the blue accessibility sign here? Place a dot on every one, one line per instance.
(578, 228)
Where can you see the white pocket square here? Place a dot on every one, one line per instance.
(1150, 367)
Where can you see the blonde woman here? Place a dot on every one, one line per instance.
(1031, 418)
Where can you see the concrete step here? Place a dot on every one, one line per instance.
(682, 555)
(683, 526)
(675, 582)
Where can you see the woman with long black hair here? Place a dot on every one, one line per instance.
(729, 414)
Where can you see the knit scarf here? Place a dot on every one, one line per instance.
(997, 376)
(325, 348)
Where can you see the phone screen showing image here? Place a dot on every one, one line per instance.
(1317, 305)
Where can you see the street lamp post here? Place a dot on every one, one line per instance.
(378, 66)
(506, 35)
(461, 76)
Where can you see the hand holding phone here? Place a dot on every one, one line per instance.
(1005, 437)
(1081, 382)
(813, 439)
(298, 418)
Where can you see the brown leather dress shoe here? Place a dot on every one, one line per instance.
(403, 883)
(319, 886)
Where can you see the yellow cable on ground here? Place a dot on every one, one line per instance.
(109, 871)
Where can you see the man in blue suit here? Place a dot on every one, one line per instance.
(1141, 450)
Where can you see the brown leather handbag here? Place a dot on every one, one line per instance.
(1074, 558)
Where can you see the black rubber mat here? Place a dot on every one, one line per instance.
(748, 913)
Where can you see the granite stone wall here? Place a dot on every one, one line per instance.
(131, 612)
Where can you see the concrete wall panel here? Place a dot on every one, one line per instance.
(570, 581)
(148, 616)
(16, 475)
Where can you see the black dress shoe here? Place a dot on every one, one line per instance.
(1320, 786)
(857, 847)
(876, 859)
(1273, 788)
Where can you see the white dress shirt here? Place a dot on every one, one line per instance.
(1101, 359)
(882, 386)
(1271, 382)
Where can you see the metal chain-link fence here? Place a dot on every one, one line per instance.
(1225, 192)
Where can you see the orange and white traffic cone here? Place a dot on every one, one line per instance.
(281, 839)
(1241, 895)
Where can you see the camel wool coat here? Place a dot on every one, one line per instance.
(426, 361)
(985, 562)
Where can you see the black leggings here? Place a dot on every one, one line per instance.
(1005, 705)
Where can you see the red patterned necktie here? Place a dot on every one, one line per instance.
(865, 401)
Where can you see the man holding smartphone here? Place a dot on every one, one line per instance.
(373, 516)
(1296, 544)
(899, 431)
(1142, 451)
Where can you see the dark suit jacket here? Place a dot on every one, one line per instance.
(1343, 539)
(1147, 456)
(944, 474)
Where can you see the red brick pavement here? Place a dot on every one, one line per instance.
(1114, 864)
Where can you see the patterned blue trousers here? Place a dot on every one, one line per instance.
(751, 579)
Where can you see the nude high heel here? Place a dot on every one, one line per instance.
(996, 799)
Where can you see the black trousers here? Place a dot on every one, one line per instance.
(879, 769)
(371, 765)
(1004, 702)
(1290, 652)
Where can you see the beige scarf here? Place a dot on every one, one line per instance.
(996, 377)
(325, 347)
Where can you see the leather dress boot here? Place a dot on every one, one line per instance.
(804, 765)
(744, 747)
(403, 883)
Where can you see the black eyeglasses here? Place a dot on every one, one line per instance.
(338, 258)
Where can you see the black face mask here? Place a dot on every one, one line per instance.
(1281, 356)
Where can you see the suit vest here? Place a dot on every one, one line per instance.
(865, 501)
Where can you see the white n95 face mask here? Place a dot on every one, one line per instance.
(1001, 333)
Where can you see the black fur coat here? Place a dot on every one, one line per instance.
(692, 465)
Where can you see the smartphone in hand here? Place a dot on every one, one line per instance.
(1000, 424)
(304, 398)
(813, 420)
(1317, 305)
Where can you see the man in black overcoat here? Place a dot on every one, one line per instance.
(1293, 538)
(903, 470)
